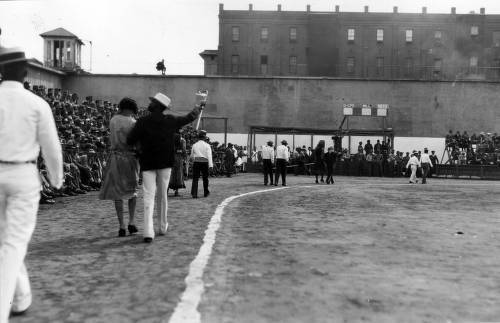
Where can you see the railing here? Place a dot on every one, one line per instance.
(480, 171)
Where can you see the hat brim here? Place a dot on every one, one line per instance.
(14, 60)
(155, 100)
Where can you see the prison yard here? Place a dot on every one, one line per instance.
(363, 249)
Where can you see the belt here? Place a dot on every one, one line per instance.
(17, 162)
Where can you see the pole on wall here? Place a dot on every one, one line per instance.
(225, 131)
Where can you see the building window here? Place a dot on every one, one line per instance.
(235, 31)
(473, 61)
(409, 35)
(380, 35)
(438, 66)
(380, 66)
(496, 68)
(293, 65)
(496, 39)
(264, 34)
(474, 30)
(293, 34)
(350, 65)
(68, 51)
(263, 65)
(350, 34)
(235, 63)
(409, 66)
(438, 35)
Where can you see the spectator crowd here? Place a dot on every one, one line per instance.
(482, 149)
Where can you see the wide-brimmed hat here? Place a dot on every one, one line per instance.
(284, 142)
(11, 55)
(161, 99)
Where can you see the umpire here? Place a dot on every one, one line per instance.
(267, 162)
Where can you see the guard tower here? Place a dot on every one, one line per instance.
(62, 50)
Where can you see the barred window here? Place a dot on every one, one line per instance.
(474, 30)
(263, 65)
(438, 35)
(409, 35)
(380, 66)
(380, 35)
(235, 33)
(264, 34)
(293, 34)
(350, 34)
(350, 65)
(235, 62)
(293, 65)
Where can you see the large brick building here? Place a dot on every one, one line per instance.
(357, 44)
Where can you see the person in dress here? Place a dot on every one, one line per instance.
(26, 127)
(330, 159)
(177, 177)
(121, 177)
(154, 133)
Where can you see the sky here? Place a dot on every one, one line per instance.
(130, 36)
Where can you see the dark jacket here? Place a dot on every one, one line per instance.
(155, 135)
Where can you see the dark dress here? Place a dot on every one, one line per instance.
(177, 176)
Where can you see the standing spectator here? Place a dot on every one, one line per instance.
(319, 160)
(201, 154)
(121, 178)
(426, 163)
(26, 125)
(229, 160)
(378, 147)
(282, 156)
(413, 163)
(360, 148)
(330, 159)
(368, 147)
(267, 162)
(404, 164)
(434, 161)
(177, 176)
(155, 135)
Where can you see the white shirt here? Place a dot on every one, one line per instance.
(413, 161)
(26, 125)
(282, 152)
(424, 158)
(202, 149)
(268, 153)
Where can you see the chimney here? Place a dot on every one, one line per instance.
(308, 8)
(250, 7)
(483, 11)
(337, 8)
(424, 10)
(279, 7)
(366, 9)
(394, 9)
(453, 10)
(221, 7)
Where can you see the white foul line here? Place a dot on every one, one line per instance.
(187, 309)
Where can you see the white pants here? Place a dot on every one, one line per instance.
(413, 177)
(19, 198)
(150, 178)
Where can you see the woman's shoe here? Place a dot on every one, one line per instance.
(122, 233)
(132, 229)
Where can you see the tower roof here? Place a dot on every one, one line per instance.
(61, 32)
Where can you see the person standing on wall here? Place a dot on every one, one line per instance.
(155, 135)
(282, 156)
(26, 126)
(267, 162)
(201, 154)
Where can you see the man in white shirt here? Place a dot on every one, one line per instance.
(426, 163)
(414, 163)
(201, 154)
(26, 125)
(282, 156)
(267, 162)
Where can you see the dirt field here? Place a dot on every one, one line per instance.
(363, 249)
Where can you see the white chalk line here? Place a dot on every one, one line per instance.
(187, 308)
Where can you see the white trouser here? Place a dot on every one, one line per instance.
(19, 198)
(149, 180)
(413, 177)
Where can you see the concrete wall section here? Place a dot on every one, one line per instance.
(38, 75)
(417, 109)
